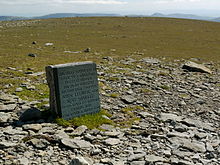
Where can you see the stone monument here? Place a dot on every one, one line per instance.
(74, 89)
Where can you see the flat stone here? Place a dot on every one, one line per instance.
(194, 67)
(145, 114)
(186, 143)
(154, 158)
(178, 134)
(8, 107)
(60, 134)
(128, 99)
(5, 97)
(139, 82)
(170, 116)
(200, 135)
(4, 117)
(33, 127)
(23, 161)
(106, 127)
(112, 141)
(79, 130)
(195, 146)
(76, 144)
(14, 131)
(182, 154)
(138, 163)
(96, 151)
(30, 87)
(151, 60)
(48, 130)
(79, 161)
(37, 74)
(7, 145)
(39, 143)
(209, 147)
(111, 133)
(185, 162)
(199, 124)
(136, 157)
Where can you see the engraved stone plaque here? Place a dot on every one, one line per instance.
(74, 89)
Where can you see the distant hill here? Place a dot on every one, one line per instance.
(179, 15)
(11, 18)
(63, 15)
(58, 15)
(217, 19)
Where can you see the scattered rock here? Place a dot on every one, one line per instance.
(175, 126)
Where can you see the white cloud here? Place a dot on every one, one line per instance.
(32, 2)
(176, 1)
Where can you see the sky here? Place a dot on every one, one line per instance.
(124, 7)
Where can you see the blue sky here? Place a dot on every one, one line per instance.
(41, 7)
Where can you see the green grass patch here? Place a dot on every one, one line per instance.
(163, 74)
(114, 95)
(145, 91)
(128, 123)
(166, 87)
(130, 116)
(91, 120)
(184, 95)
(113, 79)
(41, 92)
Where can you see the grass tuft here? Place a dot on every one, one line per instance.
(91, 120)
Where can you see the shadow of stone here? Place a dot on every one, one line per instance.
(33, 116)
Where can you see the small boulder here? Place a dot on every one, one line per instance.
(79, 161)
(48, 44)
(87, 50)
(32, 55)
(18, 89)
(194, 67)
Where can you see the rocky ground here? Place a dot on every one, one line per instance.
(162, 114)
